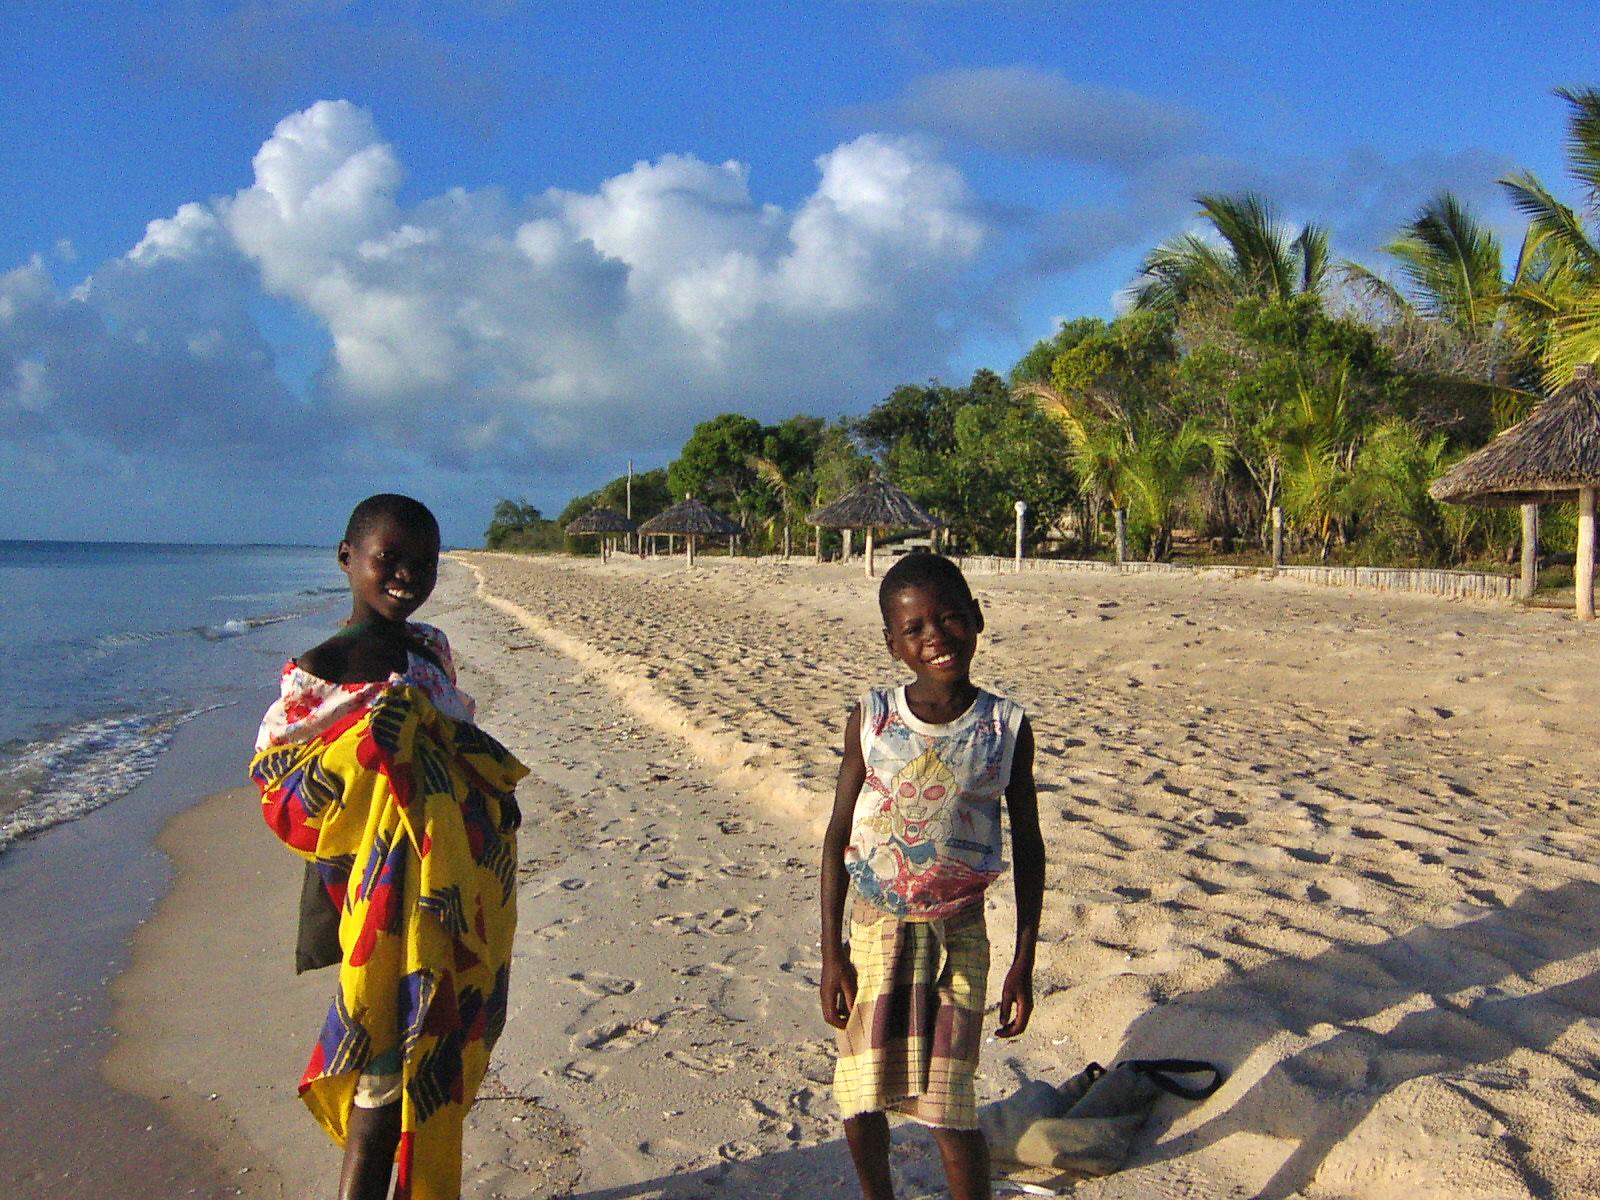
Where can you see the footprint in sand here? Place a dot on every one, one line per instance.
(728, 922)
(677, 876)
(698, 1062)
(619, 1035)
(603, 985)
(744, 871)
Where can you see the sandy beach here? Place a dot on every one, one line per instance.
(1342, 844)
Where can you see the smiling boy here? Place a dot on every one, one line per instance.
(916, 831)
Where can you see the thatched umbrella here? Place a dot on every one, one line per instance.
(601, 521)
(876, 504)
(1553, 455)
(693, 519)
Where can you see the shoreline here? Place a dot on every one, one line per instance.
(77, 894)
(1342, 844)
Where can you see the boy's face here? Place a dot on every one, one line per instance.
(392, 569)
(934, 630)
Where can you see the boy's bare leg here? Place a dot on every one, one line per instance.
(966, 1162)
(369, 1152)
(868, 1135)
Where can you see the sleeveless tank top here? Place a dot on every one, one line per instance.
(925, 839)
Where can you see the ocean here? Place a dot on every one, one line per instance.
(111, 647)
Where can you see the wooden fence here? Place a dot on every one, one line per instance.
(1456, 585)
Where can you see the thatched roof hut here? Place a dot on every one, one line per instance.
(602, 522)
(1547, 457)
(692, 519)
(876, 504)
(1553, 455)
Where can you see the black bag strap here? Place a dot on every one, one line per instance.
(1160, 1070)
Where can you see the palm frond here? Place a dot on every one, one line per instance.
(1311, 249)
(1583, 136)
(1373, 287)
(1555, 220)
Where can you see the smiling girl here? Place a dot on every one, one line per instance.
(370, 768)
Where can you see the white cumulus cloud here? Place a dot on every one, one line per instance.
(486, 335)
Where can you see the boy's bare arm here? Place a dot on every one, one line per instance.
(1027, 869)
(838, 973)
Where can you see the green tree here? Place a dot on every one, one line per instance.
(1397, 464)
(1443, 324)
(1035, 365)
(1255, 255)
(1451, 265)
(714, 463)
(1555, 292)
(518, 525)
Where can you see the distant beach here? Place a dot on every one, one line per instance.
(1343, 844)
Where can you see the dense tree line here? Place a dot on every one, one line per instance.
(1251, 371)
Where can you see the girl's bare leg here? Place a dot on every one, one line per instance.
(966, 1162)
(868, 1135)
(369, 1152)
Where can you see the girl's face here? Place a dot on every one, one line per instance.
(934, 631)
(392, 569)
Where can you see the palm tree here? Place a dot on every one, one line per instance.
(1555, 293)
(1132, 460)
(1320, 437)
(1257, 256)
(1158, 470)
(1098, 432)
(784, 487)
(1451, 266)
(1445, 324)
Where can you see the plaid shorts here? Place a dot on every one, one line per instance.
(911, 1043)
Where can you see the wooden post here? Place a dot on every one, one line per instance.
(869, 551)
(844, 555)
(816, 543)
(689, 538)
(1277, 537)
(1122, 535)
(1021, 507)
(1530, 550)
(1583, 571)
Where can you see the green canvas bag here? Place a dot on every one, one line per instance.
(1085, 1127)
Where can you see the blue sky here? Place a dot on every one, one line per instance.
(261, 260)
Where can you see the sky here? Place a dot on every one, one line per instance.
(261, 260)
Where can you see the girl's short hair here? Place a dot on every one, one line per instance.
(921, 569)
(403, 510)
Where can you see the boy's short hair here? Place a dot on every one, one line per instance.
(403, 510)
(921, 569)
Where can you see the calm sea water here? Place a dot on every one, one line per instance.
(109, 647)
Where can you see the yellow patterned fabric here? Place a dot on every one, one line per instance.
(410, 818)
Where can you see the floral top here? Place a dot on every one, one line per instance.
(308, 704)
(925, 839)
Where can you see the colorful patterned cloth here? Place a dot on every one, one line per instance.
(409, 816)
(307, 704)
(925, 838)
(911, 1043)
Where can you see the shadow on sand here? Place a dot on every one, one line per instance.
(1440, 1000)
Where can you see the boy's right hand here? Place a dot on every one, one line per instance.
(838, 991)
